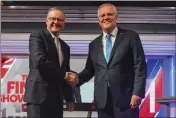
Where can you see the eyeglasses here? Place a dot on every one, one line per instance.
(53, 19)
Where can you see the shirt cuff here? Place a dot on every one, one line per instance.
(66, 75)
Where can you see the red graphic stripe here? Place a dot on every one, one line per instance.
(3, 72)
(145, 109)
(5, 69)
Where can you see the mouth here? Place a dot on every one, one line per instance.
(106, 22)
(57, 26)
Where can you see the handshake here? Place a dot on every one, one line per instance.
(72, 79)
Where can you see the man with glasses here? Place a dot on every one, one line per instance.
(49, 58)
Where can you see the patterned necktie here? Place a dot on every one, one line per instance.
(108, 46)
(58, 47)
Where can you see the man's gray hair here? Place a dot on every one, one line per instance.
(55, 8)
(107, 4)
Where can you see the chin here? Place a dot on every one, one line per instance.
(56, 30)
(107, 28)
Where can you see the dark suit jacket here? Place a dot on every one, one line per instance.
(46, 77)
(126, 70)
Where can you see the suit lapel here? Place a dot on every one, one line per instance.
(51, 39)
(118, 39)
(52, 44)
(101, 52)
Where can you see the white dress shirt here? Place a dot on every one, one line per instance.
(113, 38)
(58, 46)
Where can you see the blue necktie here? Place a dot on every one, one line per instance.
(108, 47)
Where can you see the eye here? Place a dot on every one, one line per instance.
(110, 14)
(53, 19)
(103, 15)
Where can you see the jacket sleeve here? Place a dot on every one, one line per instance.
(88, 72)
(140, 67)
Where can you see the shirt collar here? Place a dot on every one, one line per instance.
(113, 33)
(53, 36)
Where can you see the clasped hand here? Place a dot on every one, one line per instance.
(72, 79)
(135, 101)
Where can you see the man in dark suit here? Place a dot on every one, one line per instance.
(116, 59)
(49, 60)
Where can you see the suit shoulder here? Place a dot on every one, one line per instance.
(130, 32)
(37, 33)
(95, 40)
(64, 43)
(41, 32)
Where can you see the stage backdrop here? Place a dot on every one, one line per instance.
(14, 73)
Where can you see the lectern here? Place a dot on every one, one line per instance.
(170, 103)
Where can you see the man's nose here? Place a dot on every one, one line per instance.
(106, 17)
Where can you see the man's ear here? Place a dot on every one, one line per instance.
(117, 18)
